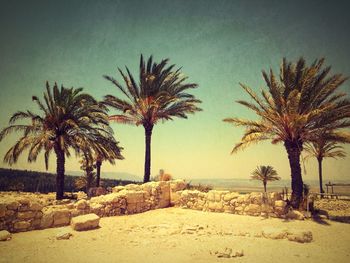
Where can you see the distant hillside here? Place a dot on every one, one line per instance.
(33, 181)
(112, 175)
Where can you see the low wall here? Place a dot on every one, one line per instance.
(28, 211)
(232, 202)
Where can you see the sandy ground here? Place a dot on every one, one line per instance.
(155, 236)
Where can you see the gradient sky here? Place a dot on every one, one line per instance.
(217, 44)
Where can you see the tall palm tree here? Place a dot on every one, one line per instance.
(326, 145)
(159, 95)
(265, 174)
(301, 102)
(68, 117)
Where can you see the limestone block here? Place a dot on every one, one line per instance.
(21, 226)
(12, 205)
(5, 235)
(47, 219)
(177, 185)
(133, 197)
(61, 217)
(35, 206)
(274, 233)
(301, 236)
(118, 189)
(295, 214)
(230, 196)
(252, 209)
(85, 222)
(25, 215)
(81, 204)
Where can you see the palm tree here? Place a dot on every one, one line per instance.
(89, 177)
(295, 107)
(68, 117)
(326, 145)
(159, 95)
(265, 173)
(107, 150)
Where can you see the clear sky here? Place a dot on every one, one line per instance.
(217, 44)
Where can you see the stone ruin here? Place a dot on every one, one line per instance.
(28, 211)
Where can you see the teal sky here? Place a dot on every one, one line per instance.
(217, 44)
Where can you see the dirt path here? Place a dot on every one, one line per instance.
(178, 235)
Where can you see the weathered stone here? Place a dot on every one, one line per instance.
(25, 215)
(252, 209)
(81, 204)
(21, 226)
(133, 197)
(177, 185)
(295, 214)
(63, 235)
(280, 203)
(85, 222)
(301, 237)
(10, 213)
(61, 217)
(24, 201)
(5, 235)
(274, 233)
(47, 219)
(118, 189)
(13, 205)
(230, 196)
(35, 207)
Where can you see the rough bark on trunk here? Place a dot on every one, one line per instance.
(148, 135)
(320, 174)
(264, 186)
(60, 161)
(294, 149)
(98, 173)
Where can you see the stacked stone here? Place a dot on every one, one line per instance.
(20, 215)
(254, 204)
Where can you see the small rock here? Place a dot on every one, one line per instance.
(5, 235)
(85, 222)
(65, 234)
(294, 214)
(274, 233)
(301, 237)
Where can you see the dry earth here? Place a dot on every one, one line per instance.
(179, 235)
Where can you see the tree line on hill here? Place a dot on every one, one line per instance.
(42, 182)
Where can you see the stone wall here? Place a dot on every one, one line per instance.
(28, 211)
(254, 204)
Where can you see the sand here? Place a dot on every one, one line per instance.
(155, 236)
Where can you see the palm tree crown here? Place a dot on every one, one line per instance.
(302, 101)
(265, 174)
(160, 94)
(68, 118)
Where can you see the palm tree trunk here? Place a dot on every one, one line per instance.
(294, 150)
(60, 161)
(148, 135)
(88, 181)
(98, 173)
(264, 186)
(320, 174)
